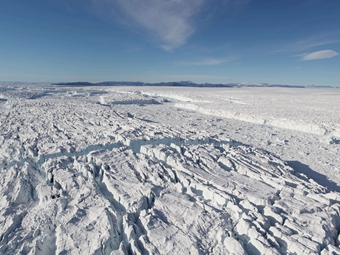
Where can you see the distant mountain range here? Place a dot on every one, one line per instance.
(127, 83)
(178, 84)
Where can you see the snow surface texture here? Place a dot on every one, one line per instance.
(169, 171)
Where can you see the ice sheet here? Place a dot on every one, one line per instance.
(169, 171)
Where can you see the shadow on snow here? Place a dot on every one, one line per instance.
(311, 174)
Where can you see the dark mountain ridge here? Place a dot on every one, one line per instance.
(172, 84)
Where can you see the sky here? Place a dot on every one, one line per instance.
(293, 42)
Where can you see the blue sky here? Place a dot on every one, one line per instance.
(219, 41)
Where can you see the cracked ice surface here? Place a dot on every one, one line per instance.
(100, 171)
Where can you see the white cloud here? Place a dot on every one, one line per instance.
(320, 55)
(204, 62)
(310, 42)
(171, 21)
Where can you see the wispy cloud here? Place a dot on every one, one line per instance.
(204, 62)
(172, 22)
(322, 54)
(311, 42)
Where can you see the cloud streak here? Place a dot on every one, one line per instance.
(204, 62)
(171, 21)
(322, 54)
(311, 42)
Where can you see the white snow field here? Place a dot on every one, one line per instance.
(165, 170)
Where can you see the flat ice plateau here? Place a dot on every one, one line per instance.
(149, 170)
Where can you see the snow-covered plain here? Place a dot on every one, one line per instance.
(145, 170)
